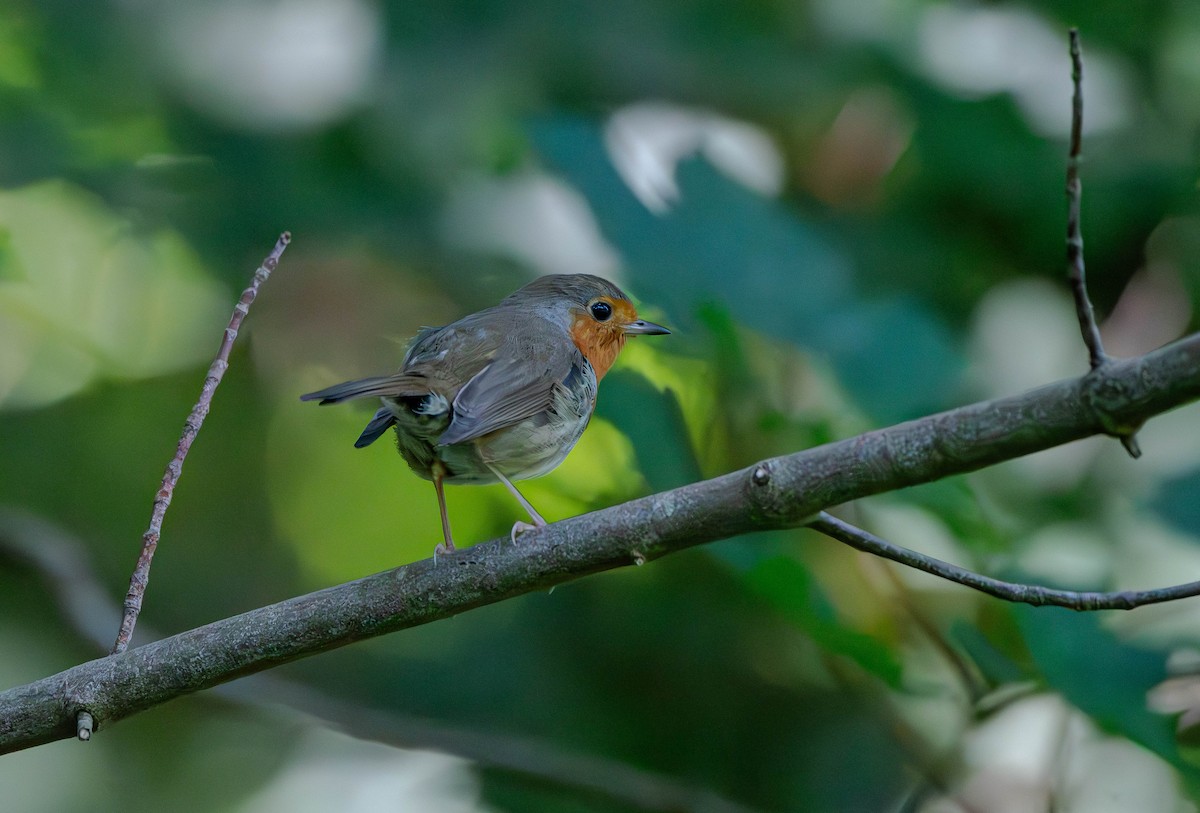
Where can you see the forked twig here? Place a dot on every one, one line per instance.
(1075, 266)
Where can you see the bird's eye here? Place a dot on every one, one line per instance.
(601, 311)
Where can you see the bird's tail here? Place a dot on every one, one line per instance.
(380, 386)
(398, 386)
(383, 421)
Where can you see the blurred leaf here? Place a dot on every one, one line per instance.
(763, 261)
(324, 492)
(654, 424)
(957, 504)
(688, 382)
(10, 265)
(34, 139)
(1103, 677)
(18, 65)
(83, 298)
(996, 667)
(1178, 502)
(720, 241)
(894, 356)
(728, 351)
(789, 587)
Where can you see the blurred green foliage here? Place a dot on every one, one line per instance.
(851, 213)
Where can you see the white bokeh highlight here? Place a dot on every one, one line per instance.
(532, 218)
(646, 141)
(979, 51)
(282, 64)
(330, 771)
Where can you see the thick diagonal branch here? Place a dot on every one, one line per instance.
(63, 564)
(777, 493)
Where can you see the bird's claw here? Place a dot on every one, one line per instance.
(519, 528)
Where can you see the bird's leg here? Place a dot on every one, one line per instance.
(518, 527)
(438, 472)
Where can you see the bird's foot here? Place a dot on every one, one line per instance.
(444, 548)
(519, 528)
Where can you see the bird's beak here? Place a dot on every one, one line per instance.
(643, 328)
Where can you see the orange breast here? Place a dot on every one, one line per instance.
(601, 342)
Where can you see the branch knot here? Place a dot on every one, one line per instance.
(1104, 395)
(768, 503)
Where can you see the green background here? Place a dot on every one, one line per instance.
(861, 221)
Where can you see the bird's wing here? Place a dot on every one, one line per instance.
(514, 386)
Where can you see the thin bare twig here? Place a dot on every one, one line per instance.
(1033, 594)
(1075, 266)
(162, 500)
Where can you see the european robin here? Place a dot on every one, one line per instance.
(502, 394)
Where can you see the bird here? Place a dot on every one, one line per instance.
(502, 394)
